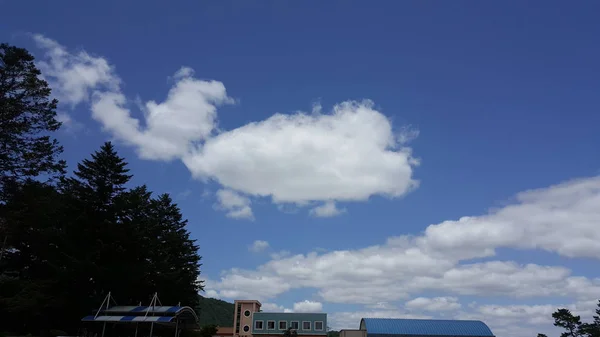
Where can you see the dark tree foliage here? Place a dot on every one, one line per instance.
(290, 333)
(27, 116)
(573, 326)
(335, 333)
(592, 329)
(30, 270)
(208, 331)
(74, 242)
(565, 319)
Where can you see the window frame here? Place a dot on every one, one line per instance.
(270, 321)
(309, 326)
(247, 311)
(244, 328)
(292, 325)
(279, 325)
(322, 326)
(262, 325)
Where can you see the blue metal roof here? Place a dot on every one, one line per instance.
(425, 327)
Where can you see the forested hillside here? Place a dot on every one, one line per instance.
(213, 311)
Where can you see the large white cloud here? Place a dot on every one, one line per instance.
(562, 219)
(406, 268)
(349, 154)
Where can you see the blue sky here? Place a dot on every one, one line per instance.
(397, 120)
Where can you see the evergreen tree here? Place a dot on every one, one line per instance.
(208, 331)
(565, 319)
(75, 242)
(96, 237)
(103, 177)
(175, 260)
(593, 329)
(27, 115)
(30, 271)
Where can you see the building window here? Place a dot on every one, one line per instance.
(246, 328)
(294, 325)
(247, 313)
(282, 325)
(258, 325)
(306, 325)
(270, 325)
(319, 326)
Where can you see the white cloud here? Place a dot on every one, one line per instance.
(308, 306)
(272, 307)
(433, 304)
(304, 306)
(351, 319)
(68, 123)
(407, 266)
(258, 246)
(172, 127)
(211, 294)
(348, 154)
(526, 320)
(280, 254)
(327, 209)
(236, 205)
(244, 284)
(183, 195)
(558, 219)
(169, 129)
(73, 76)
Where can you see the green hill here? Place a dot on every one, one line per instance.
(213, 311)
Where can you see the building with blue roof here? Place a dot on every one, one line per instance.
(392, 327)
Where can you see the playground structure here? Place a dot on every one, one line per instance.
(144, 318)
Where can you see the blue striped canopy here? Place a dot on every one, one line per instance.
(386, 327)
(157, 319)
(145, 314)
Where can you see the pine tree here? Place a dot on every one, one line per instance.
(565, 319)
(27, 116)
(96, 239)
(30, 270)
(175, 259)
(592, 329)
(75, 242)
(105, 174)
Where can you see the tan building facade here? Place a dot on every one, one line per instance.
(242, 317)
(249, 321)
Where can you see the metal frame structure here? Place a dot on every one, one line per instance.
(155, 313)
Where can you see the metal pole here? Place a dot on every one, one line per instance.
(136, 328)
(101, 305)
(103, 328)
(176, 327)
(151, 328)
